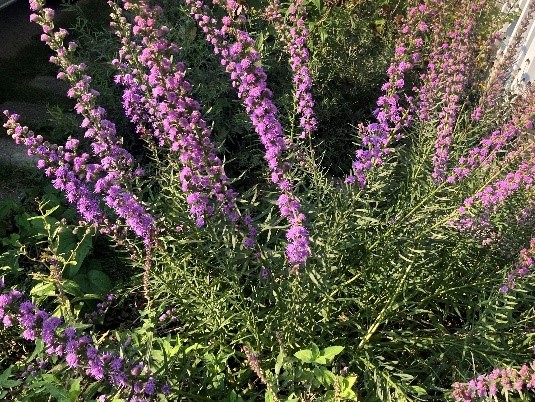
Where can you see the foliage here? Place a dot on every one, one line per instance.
(182, 282)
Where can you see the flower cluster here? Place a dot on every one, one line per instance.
(294, 35)
(522, 267)
(102, 307)
(448, 73)
(500, 381)
(242, 61)
(451, 65)
(110, 166)
(156, 93)
(60, 164)
(515, 128)
(77, 351)
(494, 195)
(168, 316)
(391, 116)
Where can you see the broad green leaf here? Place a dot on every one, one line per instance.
(83, 247)
(9, 260)
(315, 352)
(99, 281)
(331, 352)
(304, 355)
(43, 289)
(74, 391)
(324, 376)
(5, 382)
(345, 387)
(72, 288)
(5, 375)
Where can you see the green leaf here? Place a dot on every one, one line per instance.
(99, 282)
(74, 391)
(72, 288)
(324, 376)
(279, 363)
(318, 4)
(82, 247)
(345, 387)
(5, 382)
(331, 352)
(9, 260)
(60, 394)
(315, 352)
(269, 397)
(419, 390)
(6, 206)
(39, 347)
(5, 375)
(304, 355)
(44, 289)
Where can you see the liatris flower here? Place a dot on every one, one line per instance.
(391, 116)
(115, 165)
(499, 381)
(488, 200)
(156, 93)
(445, 82)
(294, 36)
(501, 72)
(515, 128)
(522, 267)
(242, 62)
(102, 307)
(77, 351)
(59, 163)
(484, 153)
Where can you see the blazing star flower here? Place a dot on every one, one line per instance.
(114, 167)
(242, 61)
(157, 95)
(80, 355)
(507, 381)
(294, 36)
(390, 115)
(451, 64)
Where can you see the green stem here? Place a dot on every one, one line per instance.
(380, 318)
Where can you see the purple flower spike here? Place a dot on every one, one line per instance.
(242, 61)
(156, 98)
(78, 352)
(110, 165)
(391, 116)
(294, 36)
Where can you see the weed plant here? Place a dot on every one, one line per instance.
(275, 276)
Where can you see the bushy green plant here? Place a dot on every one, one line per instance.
(388, 286)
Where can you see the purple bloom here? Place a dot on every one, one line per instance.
(93, 363)
(175, 118)
(96, 369)
(294, 36)
(237, 49)
(72, 360)
(115, 165)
